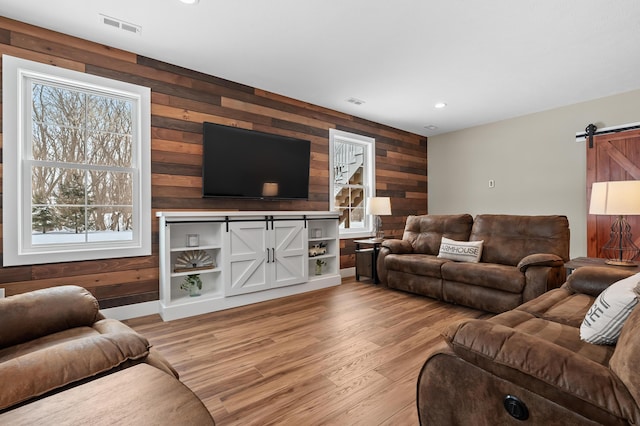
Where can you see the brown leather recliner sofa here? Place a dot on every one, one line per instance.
(531, 362)
(55, 339)
(522, 257)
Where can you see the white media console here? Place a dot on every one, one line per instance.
(249, 257)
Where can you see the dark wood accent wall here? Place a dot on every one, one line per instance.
(181, 100)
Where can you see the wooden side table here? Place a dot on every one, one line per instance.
(579, 262)
(367, 257)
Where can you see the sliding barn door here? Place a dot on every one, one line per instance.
(290, 260)
(246, 263)
(614, 156)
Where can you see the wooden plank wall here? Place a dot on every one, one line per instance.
(181, 100)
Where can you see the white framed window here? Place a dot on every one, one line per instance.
(77, 165)
(351, 181)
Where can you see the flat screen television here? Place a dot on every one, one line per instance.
(240, 163)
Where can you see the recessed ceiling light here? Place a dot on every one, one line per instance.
(440, 105)
(355, 101)
(431, 127)
(189, 1)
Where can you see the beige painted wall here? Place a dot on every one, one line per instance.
(537, 165)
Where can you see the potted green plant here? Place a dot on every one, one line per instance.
(193, 284)
(319, 264)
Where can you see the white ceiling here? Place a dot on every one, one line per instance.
(488, 60)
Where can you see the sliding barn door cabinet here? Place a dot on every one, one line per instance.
(241, 258)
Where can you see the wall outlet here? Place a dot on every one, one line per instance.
(492, 183)
(1, 293)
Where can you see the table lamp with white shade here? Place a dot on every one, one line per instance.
(379, 206)
(618, 198)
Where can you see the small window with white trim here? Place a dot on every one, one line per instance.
(76, 182)
(352, 181)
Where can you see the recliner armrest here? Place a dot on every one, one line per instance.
(593, 280)
(390, 246)
(111, 326)
(540, 259)
(546, 367)
(396, 246)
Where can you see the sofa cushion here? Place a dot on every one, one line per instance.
(558, 333)
(462, 251)
(426, 231)
(24, 318)
(604, 320)
(510, 238)
(491, 275)
(559, 305)
(416, 264)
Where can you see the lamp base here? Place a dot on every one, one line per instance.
(620, 250)
(379, 233)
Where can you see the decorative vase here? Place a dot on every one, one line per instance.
(194, 291)
(318, 269)
(193, 284)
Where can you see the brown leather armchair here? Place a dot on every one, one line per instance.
(55, 337)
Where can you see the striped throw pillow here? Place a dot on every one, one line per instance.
(462, 251)
(604, 320)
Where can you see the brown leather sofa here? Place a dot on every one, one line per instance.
(55, 339)
(530, 361)
(522, 257)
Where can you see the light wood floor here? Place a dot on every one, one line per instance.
(346, 355)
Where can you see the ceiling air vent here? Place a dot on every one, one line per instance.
(118, 23)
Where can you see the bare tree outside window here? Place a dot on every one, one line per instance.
(77, 165)
(81, 174)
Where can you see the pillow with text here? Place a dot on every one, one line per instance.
(462, 251)
(604, 320)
